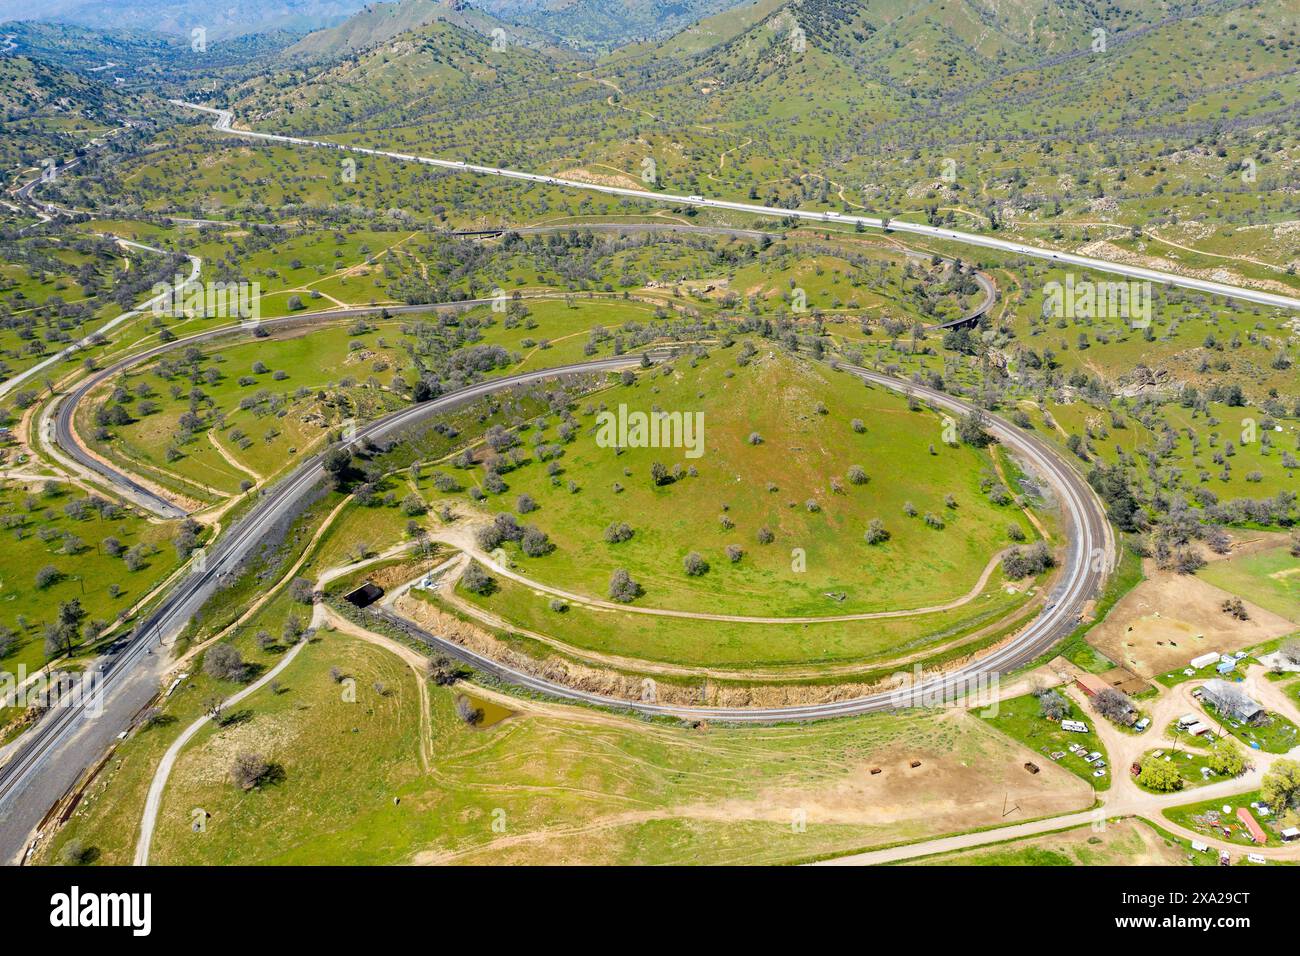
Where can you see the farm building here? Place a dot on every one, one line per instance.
(1252, 825)
(1091, 684)
(1205, 660)
(1231, 701)
(1291, 833)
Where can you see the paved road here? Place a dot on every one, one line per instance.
(54, 753)
(26, 194)
(62, 415)
(224, 119)
(1089, 558)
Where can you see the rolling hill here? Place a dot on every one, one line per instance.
(595, 26)
(378, 23)
(232, 18)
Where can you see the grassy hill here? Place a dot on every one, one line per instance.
(596, 25)
(378, 23)
(414, 76)
(789, 501)
(49, 113)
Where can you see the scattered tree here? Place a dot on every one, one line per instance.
(623, 588)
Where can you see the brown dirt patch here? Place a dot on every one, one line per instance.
(1170, 618)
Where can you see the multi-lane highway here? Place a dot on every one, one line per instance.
(224, 122)
(53, 754)
(1090, 555)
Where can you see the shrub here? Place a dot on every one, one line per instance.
(694, 564)
(1052, 705)
(623, 588)
(1159, 776)
(476, 580)
(74, 853)
(765, 535)
(1020, 563)
(1290, 650)
(443, 670)
(857, 475)
(618, 532)
(535, 543)
(1113, 705)
(224, 662)
(249, 770)
(876, 533)
(734, 553)
(1226, 759)
(1188, 561)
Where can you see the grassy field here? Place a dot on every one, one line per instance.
(549, 785)
(1270, 579)
(1188, 762)
(49, 525)
(1275, 735)
(795, 482)
(1020, 719)
(260, 404)
(722, 644)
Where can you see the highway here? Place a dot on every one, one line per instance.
(25, 193)
(62, 414)
(1090, 556)
(53, 754)
(58, 419)
(225, 119)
